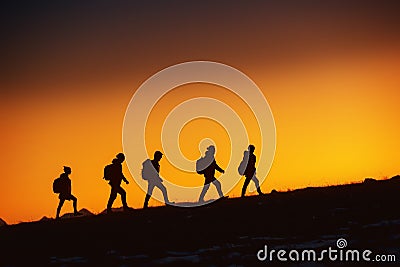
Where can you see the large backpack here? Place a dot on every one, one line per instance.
(58, 185)
(201, 165)
(243, 165)
(148, 171)
(108, 172)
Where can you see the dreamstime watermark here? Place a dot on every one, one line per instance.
(223, 112)
(339, 253)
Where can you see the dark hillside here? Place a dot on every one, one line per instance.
(226, 232)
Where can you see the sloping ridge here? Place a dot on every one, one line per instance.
(240, 223)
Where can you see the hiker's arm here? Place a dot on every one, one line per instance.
(125, 180)
(218, 168)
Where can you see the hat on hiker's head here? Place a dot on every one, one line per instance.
(158, 154)
(251, 147)
(67, 169)
(121, 156)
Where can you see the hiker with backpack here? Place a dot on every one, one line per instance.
(62, 186)
(248, 168)
(207, 166)
(113, 174)
(151, 173)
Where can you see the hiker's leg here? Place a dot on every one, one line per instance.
(60, 204)
(164, 192)
(150, 189)
(246, 183)
(122, 192)
(113, 196)
(257, 183)
(74, 203)
(203, 192)
(218, 186)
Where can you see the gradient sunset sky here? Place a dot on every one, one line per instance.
(330, 71)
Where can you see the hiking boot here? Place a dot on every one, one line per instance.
(128, 208)
(169, 203)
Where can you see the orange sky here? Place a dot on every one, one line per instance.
(330, 73)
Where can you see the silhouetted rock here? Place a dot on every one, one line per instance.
(369, 180)
(2, 222)
(397, 177)
(84, 212)
(45, 219)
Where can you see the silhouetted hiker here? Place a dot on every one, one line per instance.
(113, 174)
(151, 173)
(248, 169)
(62, 185)
(207, 166)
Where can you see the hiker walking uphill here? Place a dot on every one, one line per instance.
(62, 186)
(207, 166)
(113, 174)
(248, 168)
(151, 173)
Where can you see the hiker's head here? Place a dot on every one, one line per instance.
(252, 148)
(210, 151)
(158, 155)
(120, 157)
(67, 170)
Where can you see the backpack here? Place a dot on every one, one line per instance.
(243, 165)
(108, 172)
(58, 185)
(148, 170)
(200, 168)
